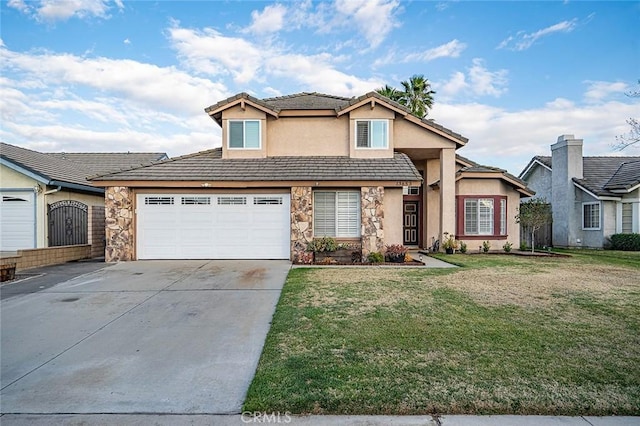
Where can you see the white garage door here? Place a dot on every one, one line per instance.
(17, 221)
(213, 226)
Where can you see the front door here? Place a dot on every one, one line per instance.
(410, 227)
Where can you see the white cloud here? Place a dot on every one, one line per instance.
(523, 41)
(485, 82)
(375, 19)
(126, 41)
(270, 20)
(509, 139)
(478, 81)
(452, 49)
(209, 52)
(62, 10)
(599, 90)
(63, 101)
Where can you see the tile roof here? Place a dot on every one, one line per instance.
(598, 171)
(104, 162)
(626, 177)
(602, 175)
(50, 168)
(316, 101)
(209, 166)
(307, 101)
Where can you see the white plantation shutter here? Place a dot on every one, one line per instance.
(470, 217)
(362, 134)
(324, 214)
(336, 213)
(485, 220)
(348, 214)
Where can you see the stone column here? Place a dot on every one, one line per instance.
(119, 224)
(301, 220)
(372, 217)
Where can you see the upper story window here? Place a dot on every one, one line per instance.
(244, 134)
(372, 134)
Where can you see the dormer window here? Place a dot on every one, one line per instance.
(244, 134)
(372, 134)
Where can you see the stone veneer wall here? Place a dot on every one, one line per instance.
(301, 220)
(372, 217)
(118, 202)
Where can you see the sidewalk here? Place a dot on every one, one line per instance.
(235, 419)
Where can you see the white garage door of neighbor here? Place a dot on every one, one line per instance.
(17, 221)
(213, 226)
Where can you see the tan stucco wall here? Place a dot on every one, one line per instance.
(411, 135)
(11, 179)
(248, 113)
(447, 192)
(308, 136)
(492, 187)
(431, 199)
(393, 216)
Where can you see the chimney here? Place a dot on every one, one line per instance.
(566, 164)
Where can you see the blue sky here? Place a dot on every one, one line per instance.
(100, 75)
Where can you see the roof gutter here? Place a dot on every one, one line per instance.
(77, 187)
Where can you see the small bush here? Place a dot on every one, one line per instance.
(463, 247)
(486, 246)
(322, 244)
(626, 242)
(523, 245)
(507, 247)
(375, 257)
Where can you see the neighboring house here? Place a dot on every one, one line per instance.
(591, 197)
(46, 199)
(293, 168)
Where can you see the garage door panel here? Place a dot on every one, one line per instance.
(229, 226)
(17, 220)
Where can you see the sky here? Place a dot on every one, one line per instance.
(117, 76)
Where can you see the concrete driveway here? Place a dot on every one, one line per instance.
(139, 337)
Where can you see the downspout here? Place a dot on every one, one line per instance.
(53, 191)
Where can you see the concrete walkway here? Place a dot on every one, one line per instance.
(283, 418)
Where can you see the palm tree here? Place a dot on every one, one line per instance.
(390, 92)
(417, 95)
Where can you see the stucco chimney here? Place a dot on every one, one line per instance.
(566, 164)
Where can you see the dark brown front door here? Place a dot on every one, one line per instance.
(410, 227)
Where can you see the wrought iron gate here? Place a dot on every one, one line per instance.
(67, 223)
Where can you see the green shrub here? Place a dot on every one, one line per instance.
(523, 245)
(507, 247)
(486, 246)
(322, 244)
(626, 242)
(463, 247)
(375, 257)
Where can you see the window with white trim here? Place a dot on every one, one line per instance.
(336, 213)
(244, 134)
(591, 216)
(372, 134)
(482, 216)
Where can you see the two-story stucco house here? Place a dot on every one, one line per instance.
(297, 167)
(591, 197)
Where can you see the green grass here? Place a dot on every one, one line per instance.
(502, 334)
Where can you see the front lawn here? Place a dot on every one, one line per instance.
(501, 334)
